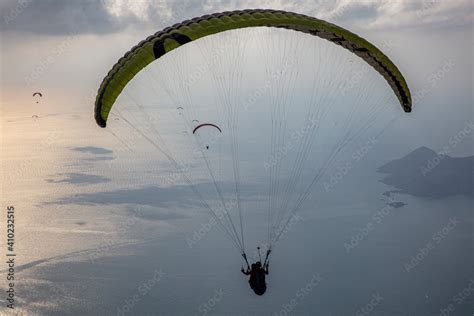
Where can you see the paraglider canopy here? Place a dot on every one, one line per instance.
(155, 47)
(206, 124)
(37, 94)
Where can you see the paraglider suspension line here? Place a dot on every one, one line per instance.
(246, 261)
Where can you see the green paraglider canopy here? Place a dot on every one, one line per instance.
(180, 34)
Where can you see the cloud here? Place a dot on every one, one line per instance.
(427, 13)
(165, 198)
(93, 150)
(93, 159)
(155, 214)
(53, 17)
(365, 14)
(397, 204)
(98, 153)
(79, 178)
(177, 196)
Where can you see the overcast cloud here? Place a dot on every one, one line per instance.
(54, 17)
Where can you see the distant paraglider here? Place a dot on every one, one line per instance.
(206, 124)
(37, 95)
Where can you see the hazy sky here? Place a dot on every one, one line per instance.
(67, 47)
(100, 215)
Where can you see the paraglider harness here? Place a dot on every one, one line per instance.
(257, 280)
(267, 257)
